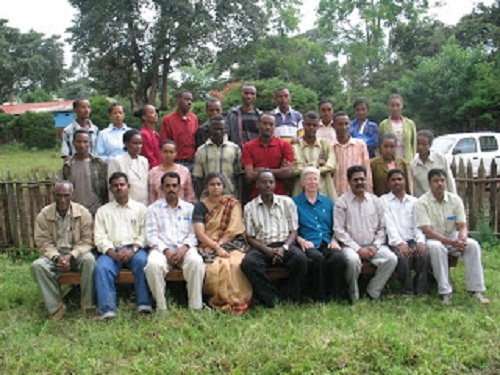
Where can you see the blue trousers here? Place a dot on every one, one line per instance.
(107, 270)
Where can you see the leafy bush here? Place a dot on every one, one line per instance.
(37, 130)
(99, 106)
(198, 109)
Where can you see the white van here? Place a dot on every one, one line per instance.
(470, 146)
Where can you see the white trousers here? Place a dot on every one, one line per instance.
(472, 261)
(193, 270)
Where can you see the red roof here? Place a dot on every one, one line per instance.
(17, 109)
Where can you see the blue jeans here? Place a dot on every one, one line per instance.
(107, 270)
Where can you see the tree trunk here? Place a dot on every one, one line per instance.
(164, 84)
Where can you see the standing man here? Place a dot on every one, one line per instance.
(242, 120)
(315, 152)
(441, 216)
(271, 223)
(405, 239)
(171, 237)
(217, 155)
(81, 108)
(359, 225)
(213, 108)
(349, 151)
(269, 153)
(425, 160)
(361, 127)
(120, 236)
(180, 126)
(63, 234)
(316, 239)
(288, 120)
(87, 172)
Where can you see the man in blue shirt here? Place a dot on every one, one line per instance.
(361, 127)
(327, 261)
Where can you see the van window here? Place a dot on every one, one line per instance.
(488, 143)
(465, 146)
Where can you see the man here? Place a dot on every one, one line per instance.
(316, 239)
(213, 108)
(359, 225)
(120, 237)
(312, 151)
(288, 120)
(242, 120)
(63, 234)
(87, 173)
(217, 155)
(441, 217)
(81, 108)
(424, 161)
(361, 127)
(349, 151)
(180, 126)
(173, 243)
(267, 152)
(405, 239)
(271, 223)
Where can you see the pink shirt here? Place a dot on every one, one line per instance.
(186, 191)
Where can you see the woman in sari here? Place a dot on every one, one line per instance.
(217, 222)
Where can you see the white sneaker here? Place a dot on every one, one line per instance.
(144, 309)
(479, 296)
(106, 315)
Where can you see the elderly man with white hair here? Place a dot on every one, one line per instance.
(327, 261)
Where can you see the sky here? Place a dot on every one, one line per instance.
(26, 15)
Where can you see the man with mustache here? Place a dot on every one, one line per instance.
(359, 225)
(171, 237)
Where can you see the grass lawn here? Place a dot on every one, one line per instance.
(393, 336)
(21, 162)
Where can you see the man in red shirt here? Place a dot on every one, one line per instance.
(267, 152)
(180, 126)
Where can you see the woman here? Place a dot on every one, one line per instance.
(150, 137)
(402, 127)
(217, 222)
(386, 161)
(169, 153)
(110, 140)
(133, 165)
(326, 129)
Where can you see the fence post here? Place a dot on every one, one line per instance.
(4, 219)
(23, 220)
(493, 196)
(480, 193)
(461, 183)
(470, 197)
(12, 210)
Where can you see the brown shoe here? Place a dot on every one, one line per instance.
(59, 314)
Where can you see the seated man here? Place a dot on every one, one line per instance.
(359, 225)
(271, 223)
(120, 236)
(170, 235)
(87, 173)
(316, 237)
(405, 239)
(63, 233)
(441, 216)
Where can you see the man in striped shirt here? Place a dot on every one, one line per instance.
(288, 120)
(271, 222)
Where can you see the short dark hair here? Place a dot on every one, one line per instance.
(80, 131)
(325, 101)
(117, 175)
(436, 172)
(170, 175)
(113, 105)
(168, 142)
(248, 85)
(426, 134)
(216, 120)
(391, 136)
(281, 89)
(355, 169)
(311, 116)
(359, 101)
(396, 96)
(262, 171)
(179, 93)
(394, 171)
(127, 136)
(340, 114)
(141, 111)
(211, 100)
(77, 102)
(210, 176)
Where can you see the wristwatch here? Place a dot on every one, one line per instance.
(286, 247)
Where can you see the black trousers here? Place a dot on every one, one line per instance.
(326, 272)
(256, 263)
(421, 266)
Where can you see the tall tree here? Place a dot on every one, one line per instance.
(29, 61)
(132, 45)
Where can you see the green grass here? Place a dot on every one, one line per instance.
(393, 336)
(21, 162)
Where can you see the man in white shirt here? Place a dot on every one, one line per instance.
(120, 236)
(405, 239)
(171, 237)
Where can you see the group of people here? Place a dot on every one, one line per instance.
(317, 193)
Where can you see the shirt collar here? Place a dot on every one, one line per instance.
(210, 142)
(392, 197)
(430, 158)
(446, 197)
(259, 200)
(277, 111)
(304, 144)
(180, 204)
(272, 142)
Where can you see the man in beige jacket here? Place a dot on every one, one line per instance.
(64, 236)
